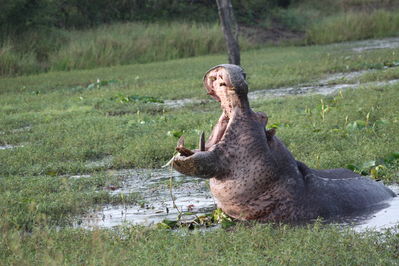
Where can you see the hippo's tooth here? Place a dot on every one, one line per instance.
(180, 142)
(202, 141)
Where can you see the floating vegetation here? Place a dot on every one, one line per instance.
(217, 217)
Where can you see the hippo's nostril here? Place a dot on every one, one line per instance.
(222, 84)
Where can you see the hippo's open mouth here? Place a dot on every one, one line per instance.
(218, 85)
(217, 135)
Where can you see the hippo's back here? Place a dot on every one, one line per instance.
(340, 191)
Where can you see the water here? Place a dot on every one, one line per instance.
(17, 130)
(183, 102)
(321, 89)
(8, 147)
(385, 216)
(103, 162)
(14, 131)
(191, 195)
(361, 46)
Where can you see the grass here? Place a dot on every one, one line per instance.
(29, 202)
(135, 133)
(354, 26)
(109, 45)
(251, 245)
(67, 120)
(307, 23)
(128, 43)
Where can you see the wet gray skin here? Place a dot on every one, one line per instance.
(252, 174)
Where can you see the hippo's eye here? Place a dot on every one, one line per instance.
(212, 78)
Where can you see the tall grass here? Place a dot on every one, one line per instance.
(353, 26)
(115, 44)
(129, 43)
(138, 43)
(12, 62)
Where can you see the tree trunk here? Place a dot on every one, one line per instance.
(230, 30)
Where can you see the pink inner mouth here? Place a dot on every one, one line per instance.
(218, 132)
(217, 83)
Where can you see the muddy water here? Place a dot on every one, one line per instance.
(182, 102)
(8, 147)
(321, 89)
(191, 195)
(103, 162)
(17, 130)
(361, 46)
(14, 131)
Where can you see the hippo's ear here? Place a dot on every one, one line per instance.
(270, 133)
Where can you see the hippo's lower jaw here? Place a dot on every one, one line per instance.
(200, 164)
(206, 161)
(252, 174)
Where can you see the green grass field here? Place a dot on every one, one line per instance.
(62, 122)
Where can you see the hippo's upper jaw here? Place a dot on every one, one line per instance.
(226, 84)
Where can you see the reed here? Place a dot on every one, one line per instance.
(353, 26)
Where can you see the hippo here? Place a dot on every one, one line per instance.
(253, 176)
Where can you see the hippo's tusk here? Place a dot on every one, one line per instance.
(180, 142)
(202, 141)
(180, 148)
